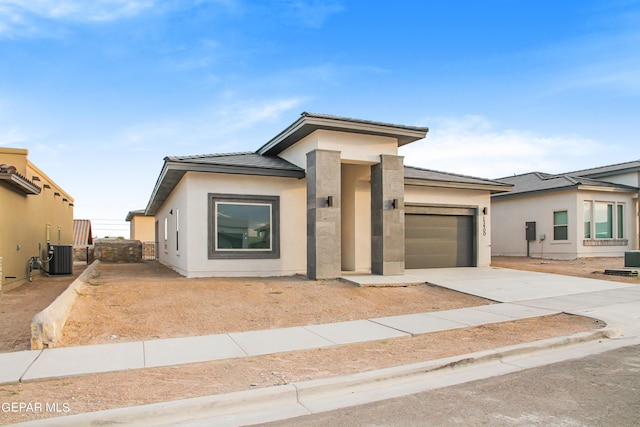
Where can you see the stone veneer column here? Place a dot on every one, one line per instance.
(387, 221)
(323, 221)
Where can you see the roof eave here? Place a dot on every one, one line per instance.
(172, 173)
(599, 174)
(306, 125)
(492, 188)
(20, 184)
(577, 187)
(619, 189)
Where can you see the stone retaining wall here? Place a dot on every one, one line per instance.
(128, 251)
(81, 253)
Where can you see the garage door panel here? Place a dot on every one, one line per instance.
(433, 241)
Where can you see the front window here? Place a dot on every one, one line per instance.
(177, 230)
(166, 229)
(243, 226)
(560, 225)
(604, 220)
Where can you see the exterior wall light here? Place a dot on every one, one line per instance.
(330, 201)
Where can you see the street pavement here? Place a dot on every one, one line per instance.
(521, 294)
(597, 390)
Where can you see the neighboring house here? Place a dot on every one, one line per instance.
(82, 240)
(35, 211)
(82, 233)
(586, 213)
(325, 196)
(141, 226)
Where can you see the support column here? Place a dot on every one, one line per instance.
(323, 215)
(387, 216)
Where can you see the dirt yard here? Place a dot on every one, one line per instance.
(592, 268)
(132, 302)
(146, 301)
(19, 305)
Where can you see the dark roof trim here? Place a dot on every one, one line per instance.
(309, 122)
(575, 187)
(493, 188)
(615, 169)
(172, 172)
(16, 181)
(431, 178)
(234, 169)
(131, 214)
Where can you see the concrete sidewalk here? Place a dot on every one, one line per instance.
(72, 361)
(521, 295)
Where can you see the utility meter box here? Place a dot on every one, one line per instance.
(530, 232)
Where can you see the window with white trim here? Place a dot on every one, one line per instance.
(177, 230)
(560, 225)
(603, 213)
(620, 221)
(588, 215)
(166, 232)
(603, 220)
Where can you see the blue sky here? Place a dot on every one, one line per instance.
(100, 91)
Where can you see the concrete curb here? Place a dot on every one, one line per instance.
(290, 400)
(46, 326)
(385, 377)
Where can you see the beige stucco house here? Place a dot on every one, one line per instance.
(586, 213)
(141, 226)
(36, 211)
(326, 195)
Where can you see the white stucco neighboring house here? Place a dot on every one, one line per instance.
(326, 195)
(585, 213)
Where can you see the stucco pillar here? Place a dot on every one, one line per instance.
(323, 215)
(387, 216)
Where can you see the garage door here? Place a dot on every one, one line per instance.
(434, 241)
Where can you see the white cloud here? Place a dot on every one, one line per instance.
(214, 129)
(314, 13)
(49, 150)
(472, 145)
(607, 57)
(12, 137)
(77, 10)
(34, 18)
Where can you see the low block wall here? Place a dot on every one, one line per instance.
(84, 253)
(46, 326)
(118, 250)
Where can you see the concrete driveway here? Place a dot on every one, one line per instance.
(505, 285)
(616, 303)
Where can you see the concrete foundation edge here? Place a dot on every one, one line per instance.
(46, 326)
(286, 401)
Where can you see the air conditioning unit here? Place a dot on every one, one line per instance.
(632, 259)
(61, 260)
